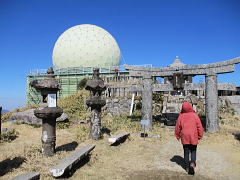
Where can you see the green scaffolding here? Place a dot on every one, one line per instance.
(68, 80)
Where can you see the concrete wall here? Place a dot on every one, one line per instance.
(171, 104)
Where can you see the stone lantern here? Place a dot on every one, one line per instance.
(48, 88)
(96, 87)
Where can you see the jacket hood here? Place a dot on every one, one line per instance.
(187, 107)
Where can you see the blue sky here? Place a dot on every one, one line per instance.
(147, 31)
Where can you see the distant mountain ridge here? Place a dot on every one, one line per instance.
(4, 111)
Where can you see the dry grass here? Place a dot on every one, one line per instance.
(230, 122)
(110, 162)
(25, 151)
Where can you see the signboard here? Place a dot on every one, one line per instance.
(145, 122)
(52, 100)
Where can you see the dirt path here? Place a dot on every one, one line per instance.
(156, 159)
(215, 160)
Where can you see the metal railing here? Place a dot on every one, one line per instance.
(83, 70)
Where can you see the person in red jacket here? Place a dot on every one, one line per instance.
(189, 129)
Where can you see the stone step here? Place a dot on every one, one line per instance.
(28, 176)
(117, 138)
(68, 163)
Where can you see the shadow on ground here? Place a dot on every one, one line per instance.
(120, 141)
(9, 164)
(67, 147)
(105, 130)
(178, 160)
(75, 167)
(160, 174)
(134, 118)
(237, 136)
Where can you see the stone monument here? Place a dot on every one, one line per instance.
(48, 87)
(96, 87)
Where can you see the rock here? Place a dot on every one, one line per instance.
(205, 137)
(115, 100)
(118, 106)
(234, 132)
(62, 118)
(28, 117)
(192, 99)
(6, 130)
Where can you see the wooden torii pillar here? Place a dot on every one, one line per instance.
(211, 92)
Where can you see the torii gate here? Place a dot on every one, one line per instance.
(211, 90)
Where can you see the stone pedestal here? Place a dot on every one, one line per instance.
(48, 116)
(95, 126)
(147, 95)
(211, 108)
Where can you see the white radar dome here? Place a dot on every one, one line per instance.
(86, 46)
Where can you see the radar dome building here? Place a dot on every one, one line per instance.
(86, 46)
(76, 53)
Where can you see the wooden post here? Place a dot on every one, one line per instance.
(132, 103)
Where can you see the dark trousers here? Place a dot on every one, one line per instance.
(191, 150)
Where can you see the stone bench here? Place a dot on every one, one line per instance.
(66, 164)
(117, 138)
(28, 176)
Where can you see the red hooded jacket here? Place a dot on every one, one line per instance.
(188, 126)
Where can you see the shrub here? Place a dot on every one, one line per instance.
(83, 132)
(75, 105)
(158, 97)
(122, 122)
(62, 125)
(9, 135)
(81, 85)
